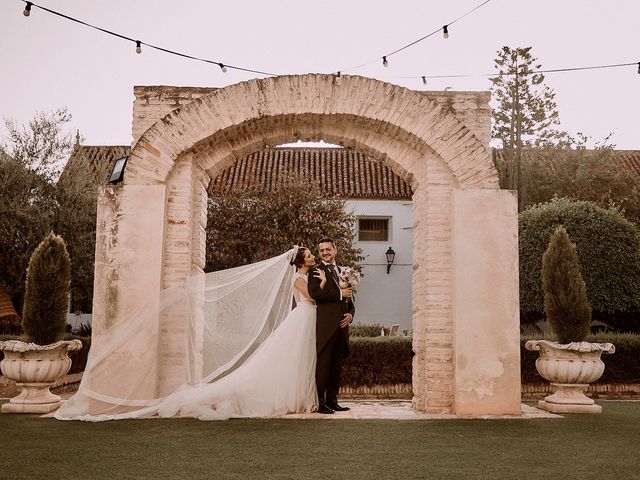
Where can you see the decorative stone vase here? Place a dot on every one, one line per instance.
(570, 368)
(35, 368)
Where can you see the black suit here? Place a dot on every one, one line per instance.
(332, 341)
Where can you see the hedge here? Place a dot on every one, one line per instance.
(608, 248)
(388, 360)
(378, 360)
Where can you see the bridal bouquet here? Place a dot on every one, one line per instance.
(349, 277)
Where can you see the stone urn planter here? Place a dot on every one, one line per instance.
(570, 368)
(35, 368)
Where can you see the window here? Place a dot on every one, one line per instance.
(373, 229)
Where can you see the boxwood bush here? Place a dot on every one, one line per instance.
(608, 248)
(378, 361)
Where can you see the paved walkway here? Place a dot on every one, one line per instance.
(392, 410)
(401, 410)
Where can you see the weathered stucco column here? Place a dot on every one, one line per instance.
(129, 245)
(486, 311)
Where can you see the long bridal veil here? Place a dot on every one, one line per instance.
(191, 335)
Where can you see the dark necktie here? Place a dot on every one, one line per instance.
(334, 272)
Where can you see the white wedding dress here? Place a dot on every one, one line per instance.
(277, 379)
(252, 355)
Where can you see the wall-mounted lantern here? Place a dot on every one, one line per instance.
(391, 256)
(117, 172)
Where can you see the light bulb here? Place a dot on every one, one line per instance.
(424, 80)
(445, 31)
(138, 46)
(384, 62)
(27, 9)
(223, 68)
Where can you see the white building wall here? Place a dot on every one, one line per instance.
(385, 298)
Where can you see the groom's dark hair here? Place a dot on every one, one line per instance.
(328, 240)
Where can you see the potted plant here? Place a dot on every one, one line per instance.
(571, 363)
(37, 363)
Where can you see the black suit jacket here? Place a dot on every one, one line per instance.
(330, 309)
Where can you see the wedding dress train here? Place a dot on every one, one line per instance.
(257, 357)
(278, 378)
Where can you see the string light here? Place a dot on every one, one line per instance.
(443, 28)
(139, 43)
(385, 62)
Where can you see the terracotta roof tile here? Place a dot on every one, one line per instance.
(99, 160)
(338, 171)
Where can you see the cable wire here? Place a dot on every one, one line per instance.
(155, 47)
(418, 40)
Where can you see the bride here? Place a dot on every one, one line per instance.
(277, 378)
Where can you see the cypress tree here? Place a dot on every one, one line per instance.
(565, 293)
(46, 301)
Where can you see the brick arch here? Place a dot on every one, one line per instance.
(375, 107)
(464, 227)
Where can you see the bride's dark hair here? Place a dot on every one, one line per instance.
(298, 260)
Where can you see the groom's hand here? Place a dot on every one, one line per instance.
(346, 320)
(347, 292)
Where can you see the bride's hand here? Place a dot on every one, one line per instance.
(318, 273)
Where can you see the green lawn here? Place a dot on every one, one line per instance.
(578, 446)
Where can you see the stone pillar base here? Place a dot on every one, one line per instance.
(568, 408)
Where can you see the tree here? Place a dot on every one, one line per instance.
(565, 295)
(249, 226)
(75, 220)
(46, 300)
(608, 249)
(582, 174)
(31, 159)
(525, 113)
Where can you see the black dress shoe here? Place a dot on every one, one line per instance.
(325, 409)
(339, 408)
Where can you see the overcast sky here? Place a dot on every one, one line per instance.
(48, 62)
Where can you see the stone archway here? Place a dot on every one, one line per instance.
(465, 295)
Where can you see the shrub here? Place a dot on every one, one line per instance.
(608, 249)
(378, 361)
(46, 299)
(366, 330)
(565, 296)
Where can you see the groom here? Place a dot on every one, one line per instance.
(334, 314)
